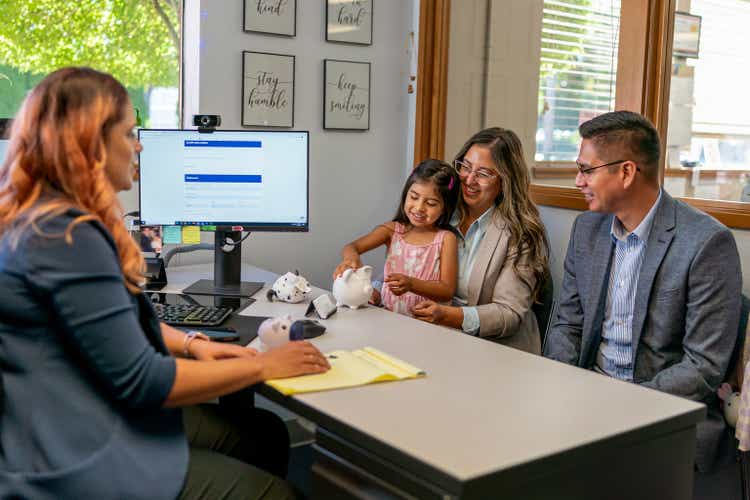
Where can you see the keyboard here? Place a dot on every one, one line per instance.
(191, 314)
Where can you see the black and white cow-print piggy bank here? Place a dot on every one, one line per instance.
(290, 287)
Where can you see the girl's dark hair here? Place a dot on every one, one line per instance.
(527, 234)
(445, 178)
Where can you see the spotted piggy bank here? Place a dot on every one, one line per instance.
(291, 288)
(353, 288)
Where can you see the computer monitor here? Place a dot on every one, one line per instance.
(236, 180)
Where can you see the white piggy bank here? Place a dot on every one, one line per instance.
(291, 288)
(732, 408)
(274, 332)
(732, 401)
(353, 288)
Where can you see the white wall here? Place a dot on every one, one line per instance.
(513, 50)
(355, 177)
(493, 70)
(467, 56)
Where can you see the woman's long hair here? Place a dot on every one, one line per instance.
(56, 161)
(527, 234)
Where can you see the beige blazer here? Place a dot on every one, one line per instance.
(502, 299)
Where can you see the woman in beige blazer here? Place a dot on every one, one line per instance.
(503, 252)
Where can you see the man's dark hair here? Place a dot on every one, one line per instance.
(631, 133)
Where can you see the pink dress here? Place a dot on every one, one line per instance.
(418, 261)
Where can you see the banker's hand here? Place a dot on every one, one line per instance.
(346, 264)
(429, 311)
(399, 284)
(292, 359)
(209, 351)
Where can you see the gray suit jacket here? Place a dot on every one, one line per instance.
(502, 299)
(686, 311)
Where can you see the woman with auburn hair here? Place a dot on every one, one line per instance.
(503, 252)
(92, 383)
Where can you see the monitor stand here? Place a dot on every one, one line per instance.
(227, 271)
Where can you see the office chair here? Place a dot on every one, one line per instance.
(544, 307)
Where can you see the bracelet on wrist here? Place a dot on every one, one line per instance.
(189, 337)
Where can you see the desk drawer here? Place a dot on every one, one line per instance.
(342, 470)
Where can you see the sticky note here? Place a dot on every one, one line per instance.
(172, 235)
(191, 235)
(208, 228)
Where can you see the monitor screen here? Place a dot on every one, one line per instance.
(3, 149)
(254, 179)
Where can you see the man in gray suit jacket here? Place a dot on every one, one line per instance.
(651, 287)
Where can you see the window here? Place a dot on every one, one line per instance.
(578, 66)
(708, 130)
(137, 42)
(591, 52)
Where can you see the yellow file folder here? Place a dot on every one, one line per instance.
(350, 369)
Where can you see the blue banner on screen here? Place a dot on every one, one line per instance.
(221, 178)
(222, 144)
(254, 179)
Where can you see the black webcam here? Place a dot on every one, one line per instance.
(206, 121)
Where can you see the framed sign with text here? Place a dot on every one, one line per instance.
(276, 17)
(687, 35)
(349, 21)
(267, 90)
(346, 95)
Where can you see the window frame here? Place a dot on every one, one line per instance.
(643, 79)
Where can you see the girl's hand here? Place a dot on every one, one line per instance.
(375, 298)
(399, 283)
(429, 311)
(346, 264)
(292, 359)
(210, 351)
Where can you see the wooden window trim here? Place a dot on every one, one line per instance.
(432, 79)
(552, 170)
(557, 196)
(730, 213)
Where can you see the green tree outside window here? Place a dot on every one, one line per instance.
(137, 41)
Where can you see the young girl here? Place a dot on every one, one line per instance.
(422, 260)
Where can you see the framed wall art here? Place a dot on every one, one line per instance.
(346, 95)
(275, 17)
(267, 90)
(687, 35)
(349, 21)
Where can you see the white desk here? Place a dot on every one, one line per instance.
(487, 421)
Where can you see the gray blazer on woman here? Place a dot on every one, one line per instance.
(686, 311)
(501, 297)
